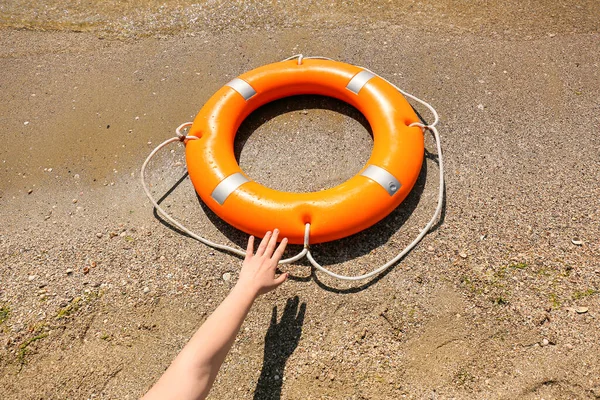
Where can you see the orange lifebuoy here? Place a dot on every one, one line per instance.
(341, 211)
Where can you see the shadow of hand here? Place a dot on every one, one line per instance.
(280, 342)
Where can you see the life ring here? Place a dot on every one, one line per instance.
(341, 211)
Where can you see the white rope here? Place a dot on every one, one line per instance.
(182, 137)
(306, 252)
(408, 248)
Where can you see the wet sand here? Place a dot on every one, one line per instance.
(500, 301)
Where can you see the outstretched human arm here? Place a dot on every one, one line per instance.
(192, 373)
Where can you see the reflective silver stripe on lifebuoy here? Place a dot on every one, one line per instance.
(242, 87)
(228, 186)
(384, 178)
(359, 80)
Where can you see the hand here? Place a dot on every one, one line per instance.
(258, 270)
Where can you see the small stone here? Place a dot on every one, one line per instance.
(31, 277)
(99, 235)
(463, 254)
(30, 191)
(26, 123)
(86, 270)
(304, 112)
(276, 377)
(74, 201)
(581, 310)
(69, 271)
(76, 176)
(576, 242)
(480, 106)
(545, 342)
(113, 234)
(93, 264)
(42, 285)
(226, 276)
(146, 289)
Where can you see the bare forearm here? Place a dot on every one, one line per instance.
(194, 370)
(192, 373)
(211, 343)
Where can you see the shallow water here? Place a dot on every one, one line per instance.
(149, 17)
(139, 18)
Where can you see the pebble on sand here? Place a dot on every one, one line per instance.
(146, 289)
(227, 276)
(581, 310)
(69, 271)
(99, 235)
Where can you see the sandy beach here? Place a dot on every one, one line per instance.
(500, 301)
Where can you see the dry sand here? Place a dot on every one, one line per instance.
(97, 296)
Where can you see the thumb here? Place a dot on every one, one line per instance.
(280, 279)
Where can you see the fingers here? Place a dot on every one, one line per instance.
(280, 250)
(280, 279)
(263, 244)
(272, 243)
(250, 248)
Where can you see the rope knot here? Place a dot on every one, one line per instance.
(181, 135)
(422, 126)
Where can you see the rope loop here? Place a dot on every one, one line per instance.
(181, 135)
(422, 126)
